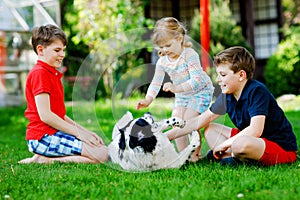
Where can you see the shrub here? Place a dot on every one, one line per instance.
(282, 73)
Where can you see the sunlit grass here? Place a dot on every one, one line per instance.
(203, 180)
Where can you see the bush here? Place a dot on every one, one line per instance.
(282, 73)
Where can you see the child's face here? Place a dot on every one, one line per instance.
(53, 54)
(227, 79)
(172, 48)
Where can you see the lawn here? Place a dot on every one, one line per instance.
(203, 180)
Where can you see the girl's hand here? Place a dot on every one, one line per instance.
(144, 103)
(169, 87)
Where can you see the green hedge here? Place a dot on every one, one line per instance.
(282, 73)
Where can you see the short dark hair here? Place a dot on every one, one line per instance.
(239, 57)
(46, 35)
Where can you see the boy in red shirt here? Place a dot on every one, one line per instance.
(51, 135)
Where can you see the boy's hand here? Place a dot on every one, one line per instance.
(217, 155)
(98, 138)
(219, 151)
(90, 138)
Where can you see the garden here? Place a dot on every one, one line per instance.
(103, 69)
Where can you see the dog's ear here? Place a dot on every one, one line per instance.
(148, 143)
(122, 142)
(133, 142)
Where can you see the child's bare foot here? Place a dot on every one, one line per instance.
(36, 159)
(195, 157)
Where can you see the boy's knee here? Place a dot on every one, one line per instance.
(96, 154)
(240, 145)
(102, 155)
(208, 129)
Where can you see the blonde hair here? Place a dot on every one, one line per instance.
(239, 57)
(169, 28)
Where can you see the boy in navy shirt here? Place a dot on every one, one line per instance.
(262, 134)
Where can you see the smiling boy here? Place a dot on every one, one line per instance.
(51, 135)
(262, 134)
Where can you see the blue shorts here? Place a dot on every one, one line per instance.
(197, 102)
(59, 144)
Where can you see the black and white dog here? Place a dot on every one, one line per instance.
(140, 145)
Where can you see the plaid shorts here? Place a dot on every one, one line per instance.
(59, 144)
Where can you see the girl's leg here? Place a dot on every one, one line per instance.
(189, 114)
(182, 142)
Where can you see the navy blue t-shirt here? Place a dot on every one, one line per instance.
(255, 100)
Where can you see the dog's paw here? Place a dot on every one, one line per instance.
(175, 121)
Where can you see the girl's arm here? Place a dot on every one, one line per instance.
(156, 82)
(153, 89)
(195, 71)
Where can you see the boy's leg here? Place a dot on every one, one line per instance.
(89, 154)
(248, 147)
(36, 158)
(98, 154)
(216, 134)
(62, 147)
(261, 150)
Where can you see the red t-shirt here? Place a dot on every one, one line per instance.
(43, 79)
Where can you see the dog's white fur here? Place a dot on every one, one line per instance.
(163, 156)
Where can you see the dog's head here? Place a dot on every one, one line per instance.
(139, 133)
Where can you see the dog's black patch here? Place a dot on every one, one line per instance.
(122, 143)
(147, 141)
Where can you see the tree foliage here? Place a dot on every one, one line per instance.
(282, 72)
(283, 68)
(113, 30)
(291, 12)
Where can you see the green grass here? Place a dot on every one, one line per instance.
(203, 180)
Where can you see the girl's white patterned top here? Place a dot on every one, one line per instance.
(185, 72)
